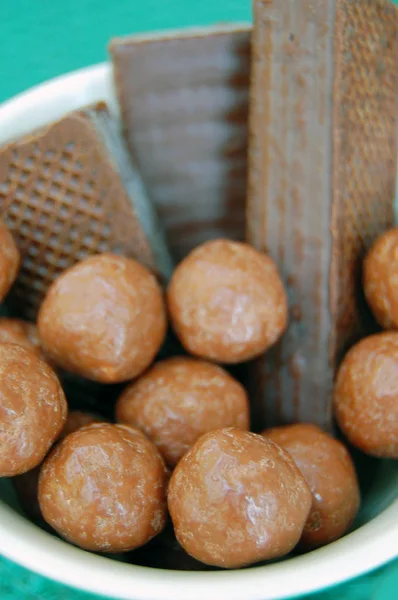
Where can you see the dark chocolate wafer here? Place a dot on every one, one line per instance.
(322, 161)
(184, 103)
(70, 190)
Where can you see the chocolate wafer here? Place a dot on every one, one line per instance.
(184, 103)
(322, 161)
(70, 190)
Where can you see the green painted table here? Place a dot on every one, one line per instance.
(40, 39)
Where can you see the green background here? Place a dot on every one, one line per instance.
(40, 39)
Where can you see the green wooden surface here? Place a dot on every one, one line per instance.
(40, 39)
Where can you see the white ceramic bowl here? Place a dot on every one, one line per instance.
(372, 543)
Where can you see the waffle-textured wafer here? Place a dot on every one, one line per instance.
(71, 190)
(184, 103)
(322, 161)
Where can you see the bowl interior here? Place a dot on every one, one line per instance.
(372, 542)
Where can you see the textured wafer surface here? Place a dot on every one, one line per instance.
(69, 191)
(365, 148)
(184, 102)
(322, 157)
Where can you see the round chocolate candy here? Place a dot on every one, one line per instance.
(104, 319)
(33, 409)
(180, 399)
(366, 395)
(237, 498)
(103, 488)
(330, 473)
(227, 302)
(380, 279)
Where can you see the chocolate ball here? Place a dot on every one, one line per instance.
(237, 498)
(366, 395)
(104, 319)
(32, 409)
(227, 302)
(22, 333)
(78, 419)
(180, 399)
(330, 473)
(380, 279)
(103, 488)
(10, 260)
(26, 485)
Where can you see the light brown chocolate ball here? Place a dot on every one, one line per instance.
(78, 419)
(227, 302)
(366, 395)
(22, 333)
(236, 498)
(32, 409)
(104, 319)
(10, 260)
(330, 473)
(180, 399)
(380, 279)
(26, 485)
(103, 488)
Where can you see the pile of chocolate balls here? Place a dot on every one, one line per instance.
(181, 445)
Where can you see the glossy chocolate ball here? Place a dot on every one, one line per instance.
(380, 279)
(104, 319)
(103, 488)
(237, 498)
(180, 399)
(227, 302)
(366, 395)
(329, 472)
(33, 409)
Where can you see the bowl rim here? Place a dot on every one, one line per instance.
(367, 548)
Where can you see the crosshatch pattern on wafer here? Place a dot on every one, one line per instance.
(365, 140)
(63, 199)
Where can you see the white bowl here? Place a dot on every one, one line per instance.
(372, 543)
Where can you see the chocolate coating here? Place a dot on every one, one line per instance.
(77, 419)
(366, 395)
(330, 473)
(10, 260)
(26, 485)
(33, 409)
(380, 279)
(227, 302)
(236, 498)
(104, 319)
(103, 488)
(22, 333)
(180, 399)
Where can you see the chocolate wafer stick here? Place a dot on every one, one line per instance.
(71, 190)
(184, 103)
(322, 161)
